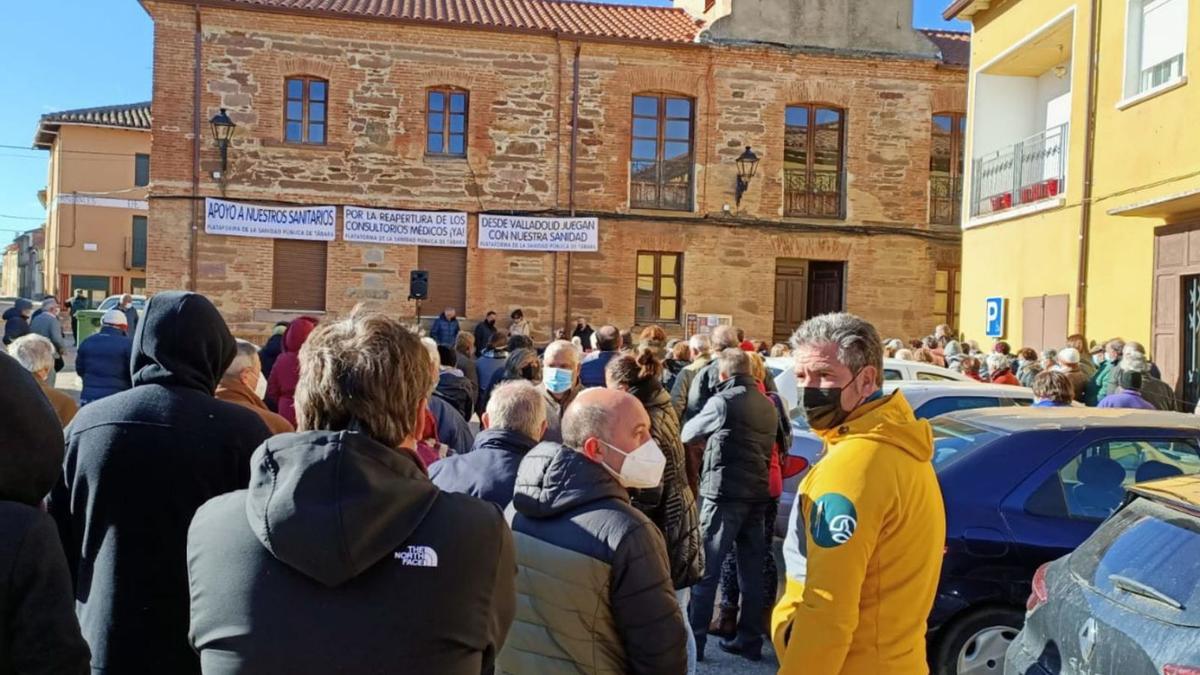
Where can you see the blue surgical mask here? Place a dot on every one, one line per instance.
(557, 380)
(1098, 359)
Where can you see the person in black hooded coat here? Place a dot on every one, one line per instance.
(16, 320)
(138, 465)
(38, 629)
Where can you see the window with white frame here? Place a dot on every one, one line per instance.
(1156, 41)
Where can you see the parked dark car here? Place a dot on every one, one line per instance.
(928, 398)
(1024, 486)
(1127, 600)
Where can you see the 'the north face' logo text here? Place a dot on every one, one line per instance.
(417, 556)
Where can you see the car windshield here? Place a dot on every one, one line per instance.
(1145, 557)
(953, 440)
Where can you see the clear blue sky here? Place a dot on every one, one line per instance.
(64, 54)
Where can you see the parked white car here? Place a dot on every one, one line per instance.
(894, 370)
(927, 398)
(113, 301)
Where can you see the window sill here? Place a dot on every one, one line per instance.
(431, 157)
(1151, 93)
(1014, 213)
(327, 147)
(635, 211)
(819, 220)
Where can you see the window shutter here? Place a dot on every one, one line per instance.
(1164, 31)
(447, 269)
(138, 247)
(299, 275)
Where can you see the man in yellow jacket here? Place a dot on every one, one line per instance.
(864, 545)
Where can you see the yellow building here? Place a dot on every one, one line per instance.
(96, 198)
(1082, 188)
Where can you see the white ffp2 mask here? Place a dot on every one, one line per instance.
(260, 387)
(643, 468)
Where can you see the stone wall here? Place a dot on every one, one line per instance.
(519, 130)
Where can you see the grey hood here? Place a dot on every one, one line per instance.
(332, 504)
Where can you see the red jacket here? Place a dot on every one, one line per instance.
(285, 375)
(1006, 377)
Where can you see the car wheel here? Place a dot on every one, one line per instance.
(975, 644)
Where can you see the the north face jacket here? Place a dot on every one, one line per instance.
(593, 583)
(863, 549)
(342, 557)
(740, 425)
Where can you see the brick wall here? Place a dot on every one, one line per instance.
(519, 158)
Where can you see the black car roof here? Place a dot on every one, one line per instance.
(1016, 419)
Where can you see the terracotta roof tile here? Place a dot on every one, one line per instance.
(589, 19)
(131, 115)
(955, 45)
(127, 116)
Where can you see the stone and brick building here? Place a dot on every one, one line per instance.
(469, 107)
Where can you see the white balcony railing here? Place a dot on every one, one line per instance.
(1023, 173)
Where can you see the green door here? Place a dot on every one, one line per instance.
(95, 289)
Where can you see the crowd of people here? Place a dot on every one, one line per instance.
(1111, 373)
(323, 504)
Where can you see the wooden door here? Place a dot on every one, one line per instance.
(791, 296)
(1044, 322)
(826, 287)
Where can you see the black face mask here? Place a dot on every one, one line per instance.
(823, 406)
(532, 373)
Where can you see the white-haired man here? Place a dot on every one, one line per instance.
(243, 383)
(866, 534)
(46, 324)
(102, 361)
(36, 354)
(514, 422)
(698, 349)
(560, 384)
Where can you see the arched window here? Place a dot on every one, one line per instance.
(446, 122)
(946, 168)
(305, 111)
(813, 158)
(660, 158)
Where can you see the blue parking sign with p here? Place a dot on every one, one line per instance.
(995, 317)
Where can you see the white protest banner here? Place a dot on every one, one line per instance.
(415, 228)
(528, 233)
(317, 223)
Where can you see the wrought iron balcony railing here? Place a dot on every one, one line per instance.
(1026, 172)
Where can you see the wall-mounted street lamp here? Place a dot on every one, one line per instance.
(222, 131)
(747, 164)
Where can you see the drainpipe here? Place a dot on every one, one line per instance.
(574, 157)
(1085, 216)
(193, 236)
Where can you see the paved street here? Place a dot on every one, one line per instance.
(720, 663)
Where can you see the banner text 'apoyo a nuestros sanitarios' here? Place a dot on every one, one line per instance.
(318, 223)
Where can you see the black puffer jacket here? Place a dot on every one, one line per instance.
(138, 465)
(342, 557)
(675, 513)
(38, 629)
(593, 584)
(15, 323)
(740, 423)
